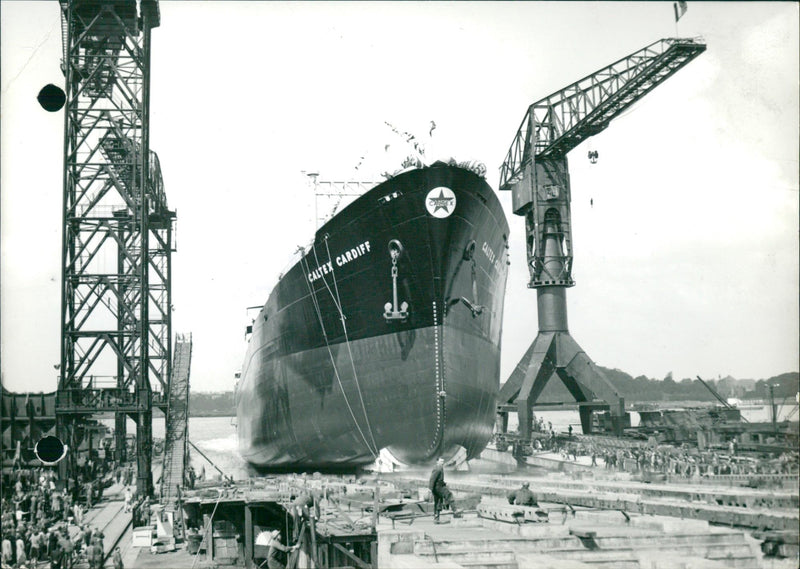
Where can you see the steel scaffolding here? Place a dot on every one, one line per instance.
(117, 230)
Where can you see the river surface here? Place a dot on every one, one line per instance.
(216, 436)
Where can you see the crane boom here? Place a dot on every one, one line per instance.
(558, 123)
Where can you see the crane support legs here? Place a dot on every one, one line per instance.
(558, 353)
(554, 351)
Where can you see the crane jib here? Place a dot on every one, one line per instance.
(558, 123)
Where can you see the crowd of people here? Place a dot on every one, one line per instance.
(672, 460)
(676, 461)
(43, 518)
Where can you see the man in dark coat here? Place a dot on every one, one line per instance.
(56, 555)
(442, 497)
(52, 544)
(523, 496)
(96, 553)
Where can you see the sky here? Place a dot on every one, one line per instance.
(685, 231)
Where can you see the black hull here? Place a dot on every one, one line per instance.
(328, 381)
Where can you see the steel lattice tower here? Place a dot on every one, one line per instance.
(117, 230)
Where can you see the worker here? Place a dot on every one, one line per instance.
(442, 497)
(276, 558)
(303, 508)
(523, 496)
(116, 559)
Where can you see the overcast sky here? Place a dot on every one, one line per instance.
(687, 261)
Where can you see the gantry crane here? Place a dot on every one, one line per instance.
(117, 230)
(535, 170)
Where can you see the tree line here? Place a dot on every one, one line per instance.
(633, 389)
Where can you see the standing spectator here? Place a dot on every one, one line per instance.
(8, 551)
(66, 546)
(96, 553)
(128, 498)
(77, 512)
(67, 505)
(19, 514)
(56, 554)
(71, 487)
(87, 539)
(117, 559)
(34, 505)
(41, 514)
(89, 488)
(37, 542)
(52, 545)
(22, 558)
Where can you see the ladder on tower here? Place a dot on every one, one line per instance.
(177, 424)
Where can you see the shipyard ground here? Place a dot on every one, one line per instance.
(593, 519)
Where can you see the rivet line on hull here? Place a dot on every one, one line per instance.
(438, 379)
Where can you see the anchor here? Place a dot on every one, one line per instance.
(474, 307)
(392, 311)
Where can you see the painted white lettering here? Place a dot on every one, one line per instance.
(340, 260)
(488, 252)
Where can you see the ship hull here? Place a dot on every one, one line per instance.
(329, 381)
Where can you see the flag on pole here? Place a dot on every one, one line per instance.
(680, 9)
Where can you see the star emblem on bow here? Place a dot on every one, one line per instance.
(440, 202)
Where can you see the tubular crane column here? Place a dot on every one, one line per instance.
(537, 173)
(117, 230)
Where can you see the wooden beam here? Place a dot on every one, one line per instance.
(359, 562)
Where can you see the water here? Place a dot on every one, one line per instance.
(216, 436)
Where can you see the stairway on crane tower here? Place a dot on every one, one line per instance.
(176, 433)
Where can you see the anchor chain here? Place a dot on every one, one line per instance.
(391, 310)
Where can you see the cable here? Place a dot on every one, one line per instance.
(349, 350)
(333, 361)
